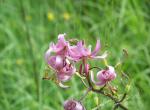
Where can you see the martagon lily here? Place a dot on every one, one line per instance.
(60, 48)
(63, 68)
(62, 56)
(79, 52)
(104, 76)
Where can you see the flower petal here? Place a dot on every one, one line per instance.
(97, 48)
(77, 52)
(59, 62)
(47, 54)
(63, 77)
(100, 57)
(92, 77)
(61, 46)
(62, 85)
(112, 71)
(99, 83)
(61, 36)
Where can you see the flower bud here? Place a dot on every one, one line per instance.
(104, 76)
(86, 69)
(107, 75)
(73, 105)
(80, 69)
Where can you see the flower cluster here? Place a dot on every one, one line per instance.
(63, 56)
(62, 66)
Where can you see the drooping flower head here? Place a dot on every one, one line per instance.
(66, 72)
(58, 60)
(73, 105)
(104, 76)
(63, 68)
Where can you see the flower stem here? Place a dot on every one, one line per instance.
(87, 91)
(117, 103)
(100, 91)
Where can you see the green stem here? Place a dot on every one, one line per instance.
(87, 91)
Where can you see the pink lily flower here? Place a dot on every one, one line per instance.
(60, 48)
(63, 68)
(66, 72)
(79, 51)
(56, 62)
(104, 76)
(73, 105)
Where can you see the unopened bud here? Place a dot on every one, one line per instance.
(86, 69)
(73, 105)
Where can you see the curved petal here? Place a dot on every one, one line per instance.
(79, 106)
(101, 77)
(56, 62)
(106, 75)
(62, 85)
(61, 46)
(73, 58)
(69, 71)
(74, 51)
(62, 77)
(92, 77)
(61, 40)
(59, 62)
(47, 54)
(78, 51)
(61, 36)
(112, 72)
(83, 50)
(100, 57)
(111, 69)
(51, 61)
(97, 48)
(99, 83)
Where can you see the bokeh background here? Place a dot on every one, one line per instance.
(28, 26)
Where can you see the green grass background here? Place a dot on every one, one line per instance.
(25, 33)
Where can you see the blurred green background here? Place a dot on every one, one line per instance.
(28, 26)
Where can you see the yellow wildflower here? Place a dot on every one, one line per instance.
(50, 16)
(66, 16)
